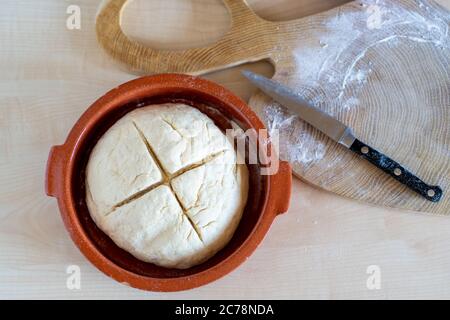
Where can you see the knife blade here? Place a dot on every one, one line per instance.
(341, 133)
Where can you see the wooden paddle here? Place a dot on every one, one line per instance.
(380, 67)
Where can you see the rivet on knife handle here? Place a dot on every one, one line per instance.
(432, 193)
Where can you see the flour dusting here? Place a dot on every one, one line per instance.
(295, 142)
(333, 71)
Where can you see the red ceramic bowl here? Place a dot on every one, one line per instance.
(268, 195)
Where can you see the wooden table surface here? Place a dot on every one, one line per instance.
(321, 248)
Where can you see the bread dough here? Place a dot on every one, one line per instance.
(164, 184)
(120, 166)
(179, 135)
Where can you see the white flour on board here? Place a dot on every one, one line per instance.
(333, 71)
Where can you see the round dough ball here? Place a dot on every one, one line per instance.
(165, 185)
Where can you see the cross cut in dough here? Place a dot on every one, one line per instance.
(164, 184)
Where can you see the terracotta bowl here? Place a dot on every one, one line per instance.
(268, 195)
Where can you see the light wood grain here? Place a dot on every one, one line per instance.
(319, 249)
(404, 88)
(194, 28)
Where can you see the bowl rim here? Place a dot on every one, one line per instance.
(62, 161)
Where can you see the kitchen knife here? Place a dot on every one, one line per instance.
(341, 133)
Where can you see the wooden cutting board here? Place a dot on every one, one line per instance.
(381, 67)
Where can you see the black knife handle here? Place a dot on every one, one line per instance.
(432, 193)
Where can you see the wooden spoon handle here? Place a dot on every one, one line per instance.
(249, 39)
